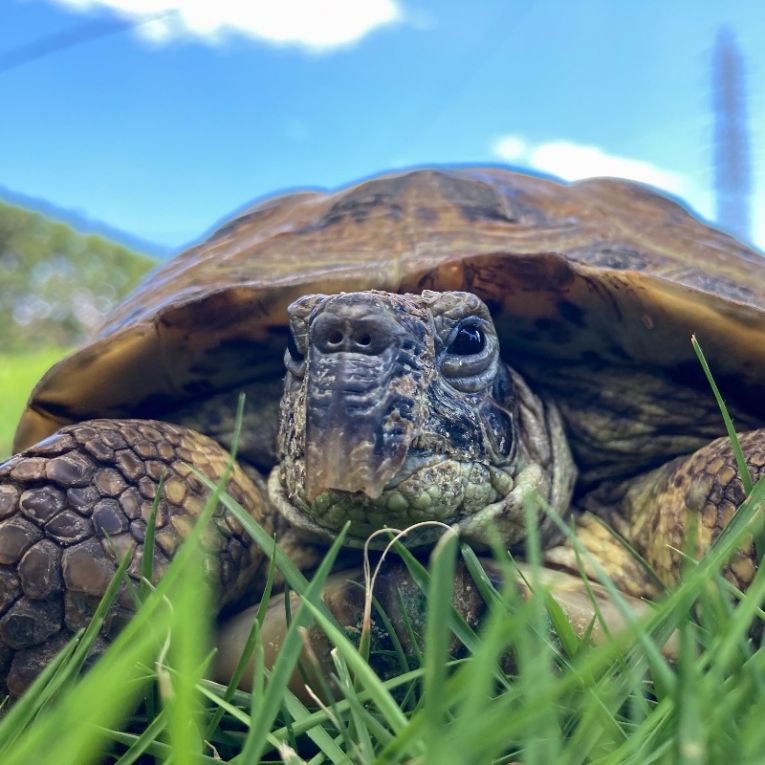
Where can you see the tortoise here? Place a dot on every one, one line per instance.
(453, 339)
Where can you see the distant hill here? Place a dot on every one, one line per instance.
(56, 285)
(84, 224)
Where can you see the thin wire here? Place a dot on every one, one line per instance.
(70, 38)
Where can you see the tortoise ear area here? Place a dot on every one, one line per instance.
(499, 428)
(300, 313)
(499, 417)
(301, 309)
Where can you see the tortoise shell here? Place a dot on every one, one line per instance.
(602, 269)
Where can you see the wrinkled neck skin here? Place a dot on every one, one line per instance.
(397, 410)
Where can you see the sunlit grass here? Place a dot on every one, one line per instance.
(518, 694)
(18, 374)
(526, 688)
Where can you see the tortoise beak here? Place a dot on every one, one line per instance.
(345, 461)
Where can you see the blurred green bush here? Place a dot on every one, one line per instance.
(56, 285)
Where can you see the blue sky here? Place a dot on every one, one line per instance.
(165, 127)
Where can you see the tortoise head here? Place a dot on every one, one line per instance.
(398, 409)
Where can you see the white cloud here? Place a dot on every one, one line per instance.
(316, 25)
(573, 161)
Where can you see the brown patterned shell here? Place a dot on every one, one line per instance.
(600, 269)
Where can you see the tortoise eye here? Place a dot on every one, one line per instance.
(468, 341)
(293, 349)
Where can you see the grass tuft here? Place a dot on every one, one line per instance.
(683, 682)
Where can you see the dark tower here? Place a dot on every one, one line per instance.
(732, 175)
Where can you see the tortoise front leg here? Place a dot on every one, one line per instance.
(655, 512)
(72, 504)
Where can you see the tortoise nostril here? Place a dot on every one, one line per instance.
(351, 328)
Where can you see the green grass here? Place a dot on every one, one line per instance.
(18, 374)
(517, 694)
(528, 687)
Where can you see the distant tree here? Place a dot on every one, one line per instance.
(56, 285)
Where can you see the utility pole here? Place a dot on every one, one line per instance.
(731, 164)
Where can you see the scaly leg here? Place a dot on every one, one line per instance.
(654, 512)
(61, 499)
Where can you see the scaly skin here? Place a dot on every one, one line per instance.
(390, 418)
(655, 511)
(61, 499)
(396, 409)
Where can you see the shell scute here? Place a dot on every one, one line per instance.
(600, 269)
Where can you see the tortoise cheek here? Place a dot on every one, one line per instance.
(499, 427)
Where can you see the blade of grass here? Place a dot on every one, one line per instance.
(315, 732)
(743, 468)
(440, 590)
(358, 729)
(691, 734)
(738, 452)
(249, 648)
(142, 742)
(265, 708)
(378, 692)
(189, 641)
(155, 748)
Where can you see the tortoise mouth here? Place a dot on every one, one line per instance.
(428, 487)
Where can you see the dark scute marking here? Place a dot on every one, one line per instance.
(592, 358)
(59, 411)
(619, 353)
(555, 330)
(427, 281)
(260, 210)
(571, 313)
(494, 306)
(426, 214)
(476, 200)
(378, 196)
(602, 290)
(198, 388)
(715, 284)
(615, 256)
(689, 373)
(241, 347)
(526, 207)
(528, 335)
